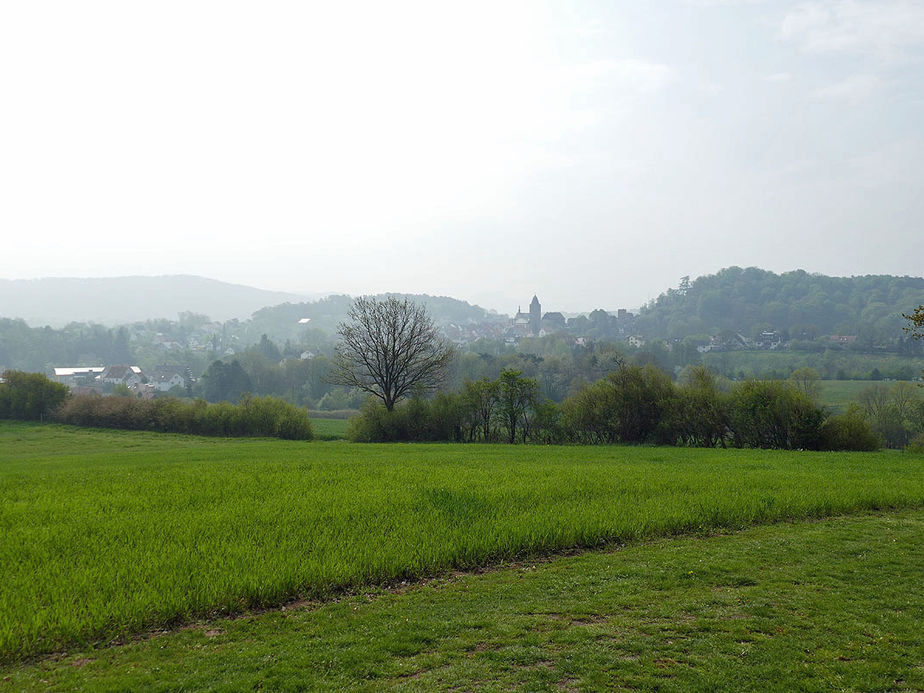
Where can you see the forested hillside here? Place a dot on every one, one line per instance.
(281, 322)
(192, 339)
(798, 304)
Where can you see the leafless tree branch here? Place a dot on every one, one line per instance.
(390, 348)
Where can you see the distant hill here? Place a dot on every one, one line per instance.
(118, 300)
(800, 304)
(281, 322)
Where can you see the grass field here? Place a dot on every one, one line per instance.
(109, 533)
(779, 364)
(329, 429)
(810, 606)
(837, 394)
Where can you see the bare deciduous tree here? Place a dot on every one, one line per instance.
(390, 348)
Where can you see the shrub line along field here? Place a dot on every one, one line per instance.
(107, 534)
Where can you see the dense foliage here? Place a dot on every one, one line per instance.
(253, 416)
(632, 404)
(802, 305)
(895, 411)
(38, 348)
(29, 396)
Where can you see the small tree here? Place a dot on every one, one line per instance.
(806, 380)
(390, 348)
(481, 397)
(516, 395)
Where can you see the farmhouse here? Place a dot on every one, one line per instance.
(165, 378)
(130, 376)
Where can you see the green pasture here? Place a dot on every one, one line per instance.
(828, 363)
(833, 605)
(838, 394)
(110, 533)
(329, 429)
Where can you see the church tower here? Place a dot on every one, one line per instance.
(535, 316)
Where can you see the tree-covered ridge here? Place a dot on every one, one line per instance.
(282, 322)
(799, 304)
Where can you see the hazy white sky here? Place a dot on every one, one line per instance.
(590, 152)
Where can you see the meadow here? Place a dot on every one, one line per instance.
(808, 606)
(106, 534)
(837, 395)
(328, 429)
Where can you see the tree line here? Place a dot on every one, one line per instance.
(631, 405)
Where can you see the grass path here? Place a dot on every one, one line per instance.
(811, 606)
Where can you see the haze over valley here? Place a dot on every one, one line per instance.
(483, 345)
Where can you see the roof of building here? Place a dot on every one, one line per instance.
(120, 372)
(165, 373)
(64, 371)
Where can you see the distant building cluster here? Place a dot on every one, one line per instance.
(599, 324)
(100, 379)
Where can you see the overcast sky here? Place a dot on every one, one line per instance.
(590, 152)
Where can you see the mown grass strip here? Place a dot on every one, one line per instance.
(105, 534)
(810, 606)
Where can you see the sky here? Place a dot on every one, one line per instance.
(592, 153)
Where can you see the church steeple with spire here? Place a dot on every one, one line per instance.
(535, 316)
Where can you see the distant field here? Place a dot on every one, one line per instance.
(328, 429)
(838, 394)
(779, 364)
(111, 533)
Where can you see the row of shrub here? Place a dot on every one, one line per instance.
(633, 404)
(253, 416)
(33, 397)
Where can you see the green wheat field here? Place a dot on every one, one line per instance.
(106, 534)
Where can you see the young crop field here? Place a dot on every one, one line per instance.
(807, 606)
(329, 429)
(110, 533)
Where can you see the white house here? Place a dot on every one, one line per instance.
(636, 341)
(121, 375)
(165, 378)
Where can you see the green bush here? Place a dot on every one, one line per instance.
(630, 405)
(774, 414)
(849, 431)
(29, 396)
(254, 416)
(916, 445)
(416, 420)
